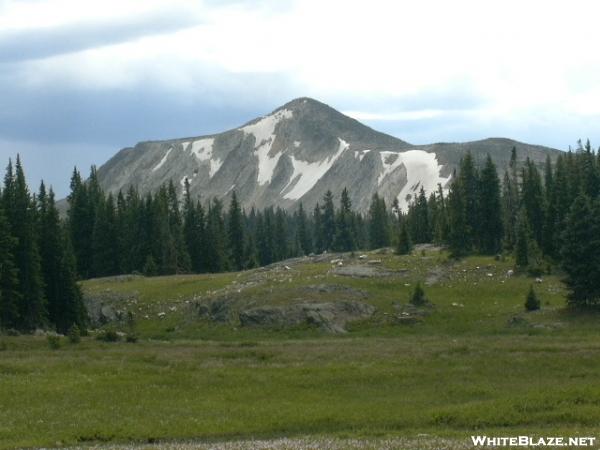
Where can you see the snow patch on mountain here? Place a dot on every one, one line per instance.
(306, 174)
(422, 170)
(264, 134)
(203, 149)
(162, 161)
(360, 154)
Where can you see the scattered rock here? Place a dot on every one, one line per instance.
(217, 309)
(365, 271)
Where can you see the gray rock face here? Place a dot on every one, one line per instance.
(297, 153)
(331, 317)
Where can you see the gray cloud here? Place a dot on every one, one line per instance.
(28, 44)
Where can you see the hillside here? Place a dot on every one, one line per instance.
(297, 153)
(221, 360)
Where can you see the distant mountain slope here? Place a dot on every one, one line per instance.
(297, 153)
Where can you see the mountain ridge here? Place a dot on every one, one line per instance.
(296, 153)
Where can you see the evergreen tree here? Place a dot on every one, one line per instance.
(105, 259)
(581, 252)
(404, 246)
(193, 229)
(378, 223)
(344, 239)
(523, 242)
(421, 229)
(10, 295)
(328, 221)
(319, 239)
(533, 200)
(490, 211)
(303, 234)
(235, 233)
(532, 303)
(22, 217)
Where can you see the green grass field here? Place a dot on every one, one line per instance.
(476, 364)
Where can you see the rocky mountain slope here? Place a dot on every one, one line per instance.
(297, 153)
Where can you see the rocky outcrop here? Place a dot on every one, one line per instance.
(331, 317)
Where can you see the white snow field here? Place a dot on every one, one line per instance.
(264, 134)
(307, 174)
(162, 161)
(422, 170)
(203, 149)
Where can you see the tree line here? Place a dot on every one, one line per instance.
(548, 218)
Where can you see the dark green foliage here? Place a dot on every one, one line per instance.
(417, 298)
(344, 238)
(379, 227)
(404, 245)
(490, 211)
(523, 243)
(64, 298)
(328, 221)
(22, 217)
(581, 251)
(150, 269)
(532, 303)
(54, 342)
(109, 335)
(74, 334)
(235, 234)
(302, 234)
(10, 295)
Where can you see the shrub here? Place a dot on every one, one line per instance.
(418, 298)
(108, 336)
(532, 302)
(53, 342)
(74, 334)
(131, 337)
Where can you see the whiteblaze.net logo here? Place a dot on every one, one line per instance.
(529, 441)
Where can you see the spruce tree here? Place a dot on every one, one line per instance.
(378, 223)
(303, 234)
(532, 303)
(490, 211)
(235, 233)
(581, 252)
(344, 239)
(10, 295)
(404, 246)
(328, 221)
(22, 217)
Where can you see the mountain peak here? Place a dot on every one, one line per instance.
(296, 153)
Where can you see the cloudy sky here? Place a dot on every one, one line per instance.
(81, 79)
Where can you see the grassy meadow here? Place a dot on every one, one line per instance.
(475, 363)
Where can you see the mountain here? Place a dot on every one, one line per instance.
(297, 153)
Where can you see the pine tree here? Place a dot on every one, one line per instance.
(216, 238)
(235, 233)
(81, 224)
(421, 228)
(22, 217)
(303, 234)
(533, 200)
(319, 240)
(378, 223)
(581, 252)
(344, 239)
(105, 259)
(522, 243)
(193, 229)
(459, 237)
(490, 211)
(10, 295)
(532, 303)
(328, 221)
(404, 246)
